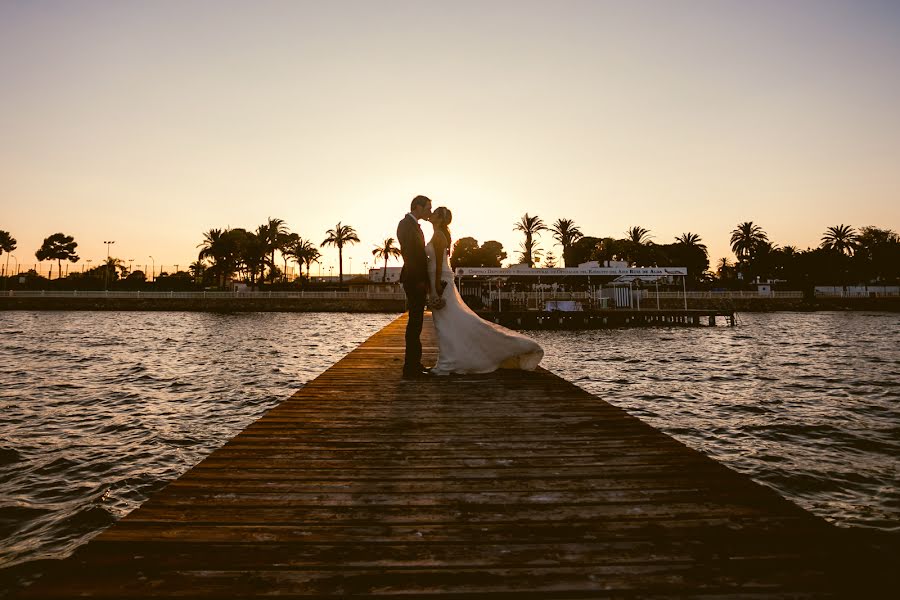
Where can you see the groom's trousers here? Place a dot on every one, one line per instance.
(415, 302)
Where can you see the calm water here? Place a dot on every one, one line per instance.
(98, 410)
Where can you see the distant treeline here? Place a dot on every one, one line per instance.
(846, 256)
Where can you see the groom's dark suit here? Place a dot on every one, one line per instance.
(414, 277)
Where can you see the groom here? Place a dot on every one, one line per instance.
(414, 277)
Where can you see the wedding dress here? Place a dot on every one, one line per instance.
(466, 342)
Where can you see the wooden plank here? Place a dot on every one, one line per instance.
(507, 485)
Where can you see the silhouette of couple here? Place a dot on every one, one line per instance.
(466, 342)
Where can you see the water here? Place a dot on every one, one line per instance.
(806, 403)
(100, 409)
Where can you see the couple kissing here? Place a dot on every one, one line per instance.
(467, 344)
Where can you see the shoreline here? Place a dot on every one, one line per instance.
(394, 305)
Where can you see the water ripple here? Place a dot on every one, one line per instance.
(803, 402)
(106, 408)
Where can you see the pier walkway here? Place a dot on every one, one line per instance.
(515, 485)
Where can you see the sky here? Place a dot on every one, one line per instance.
(148, 123)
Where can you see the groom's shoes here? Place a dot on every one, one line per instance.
(417, 372)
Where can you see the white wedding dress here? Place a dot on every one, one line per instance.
(469, 344)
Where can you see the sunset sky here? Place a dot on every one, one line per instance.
(149, 123)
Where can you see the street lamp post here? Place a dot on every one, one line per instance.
(17, 262)
(106, 278)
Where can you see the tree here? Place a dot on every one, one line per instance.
(296, 248)
(287, 244)
(691, 239)
(690, 251)
(254, 254)
(113, 268)
(339, 237)
(222, 249)
(386, 251)
(584, 250)
(491, 254)
(635, 247)
(877, 256)
(638, 235)
(272, 234)
(724, 269)
(467, 253)
(841, 238)
(566, 233)
(58, 247)
(531, 227)
(550, 260)
(608, 249)
(197, 270)
(533, 253)
(746, 239)
(311, 255)
(7, 244)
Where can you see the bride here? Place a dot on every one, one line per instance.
(466, 342)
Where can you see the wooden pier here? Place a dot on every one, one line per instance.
(513, 485)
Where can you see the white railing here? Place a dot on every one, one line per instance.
(857, 291)
(857, 294)
(645, 294)
(725, 294)
(207, 295)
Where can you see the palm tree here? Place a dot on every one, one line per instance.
(691, 240)
(219, 247)
(287, 245)
(7, 244)
(253, 252)
(197, 269)
(746, 239)
(531, 227)
(293, 249)
(566, 233)
(115, 266)
(842, 238)
(210, 239)
(311, 255)
(638, 235)
(386, 251)
(58, 247)
(724, 268)
(272, 233)
(339, 236)
(303, 252)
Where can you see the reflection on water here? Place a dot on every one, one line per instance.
(99, 409)
(807, 403)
